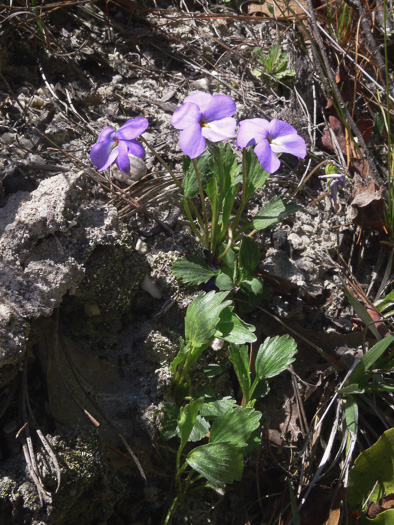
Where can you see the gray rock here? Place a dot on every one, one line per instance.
(46, 237)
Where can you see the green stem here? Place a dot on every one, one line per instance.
(192, 225)
(202, 198)
(229, 243)
(179, 470)
(219, 195)
(170, 511)
(162, 162)
(197, 215)
(242, 205)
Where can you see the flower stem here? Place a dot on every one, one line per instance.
(202, 197)
(242, 205)
(192, 225)
(170, 511)
(229, 243)
(163, 163)
(216, 204)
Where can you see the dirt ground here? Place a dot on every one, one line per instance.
(85, 350)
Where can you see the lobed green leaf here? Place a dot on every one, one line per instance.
(275, 211)
(219, 463)
(233, 330)
(274, 356)
(202, 316)
(235, 426)
(193, 270)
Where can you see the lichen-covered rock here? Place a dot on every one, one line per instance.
(88, 493)
(46, 239)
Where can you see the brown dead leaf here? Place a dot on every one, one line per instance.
(339, 132)
(364, 194)
(385, 503)
(282, 8)
(368, 199)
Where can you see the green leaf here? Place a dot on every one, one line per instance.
(187, 419)
(365, 388)
(260, 388)
(200, 429)
(249, 256)
(233, 330)
(235, 426)
(272, 60)
(384, 303)
(192, 270)
(251, 294)
(219, 463)
(376, 464)
(202, 316)
(350, 418)
(361, 312)
(350, 415)
(224, 282)
(239, 357)
(170, 421)
(287, 73)
(204, 165)
(229, 258)
(216, 408)
(181, 355)
(274, 356)
(367, 361)
(222, 188)
(275, 211)
(257, 72)
(256, 176)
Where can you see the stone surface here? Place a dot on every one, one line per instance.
(46, 238)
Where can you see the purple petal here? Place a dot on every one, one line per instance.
(334, 190)
(200, 98)
(219, 129)
(278, 128)
(268, 160)
(106, 134)
(252, 131)
(191, 141)
(187, 115)
(219, 108)
(103, 154)
(293, 144)
(123, 161)
(136, 148)
(132, 129)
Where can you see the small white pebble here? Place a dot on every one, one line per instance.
(141, 247)
(308, 229)
(202, 83)
(217, 344)
(151, 288)
(37, 102)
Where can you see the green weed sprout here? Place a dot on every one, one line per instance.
(274, 64)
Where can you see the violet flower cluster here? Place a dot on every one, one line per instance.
(204, 116)
(115, 146)
(200, 118)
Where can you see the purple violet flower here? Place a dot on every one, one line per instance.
(271, 137)
(204, 116)
(114, 145)
(335, 180)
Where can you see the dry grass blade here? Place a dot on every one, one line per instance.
(27, 447)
